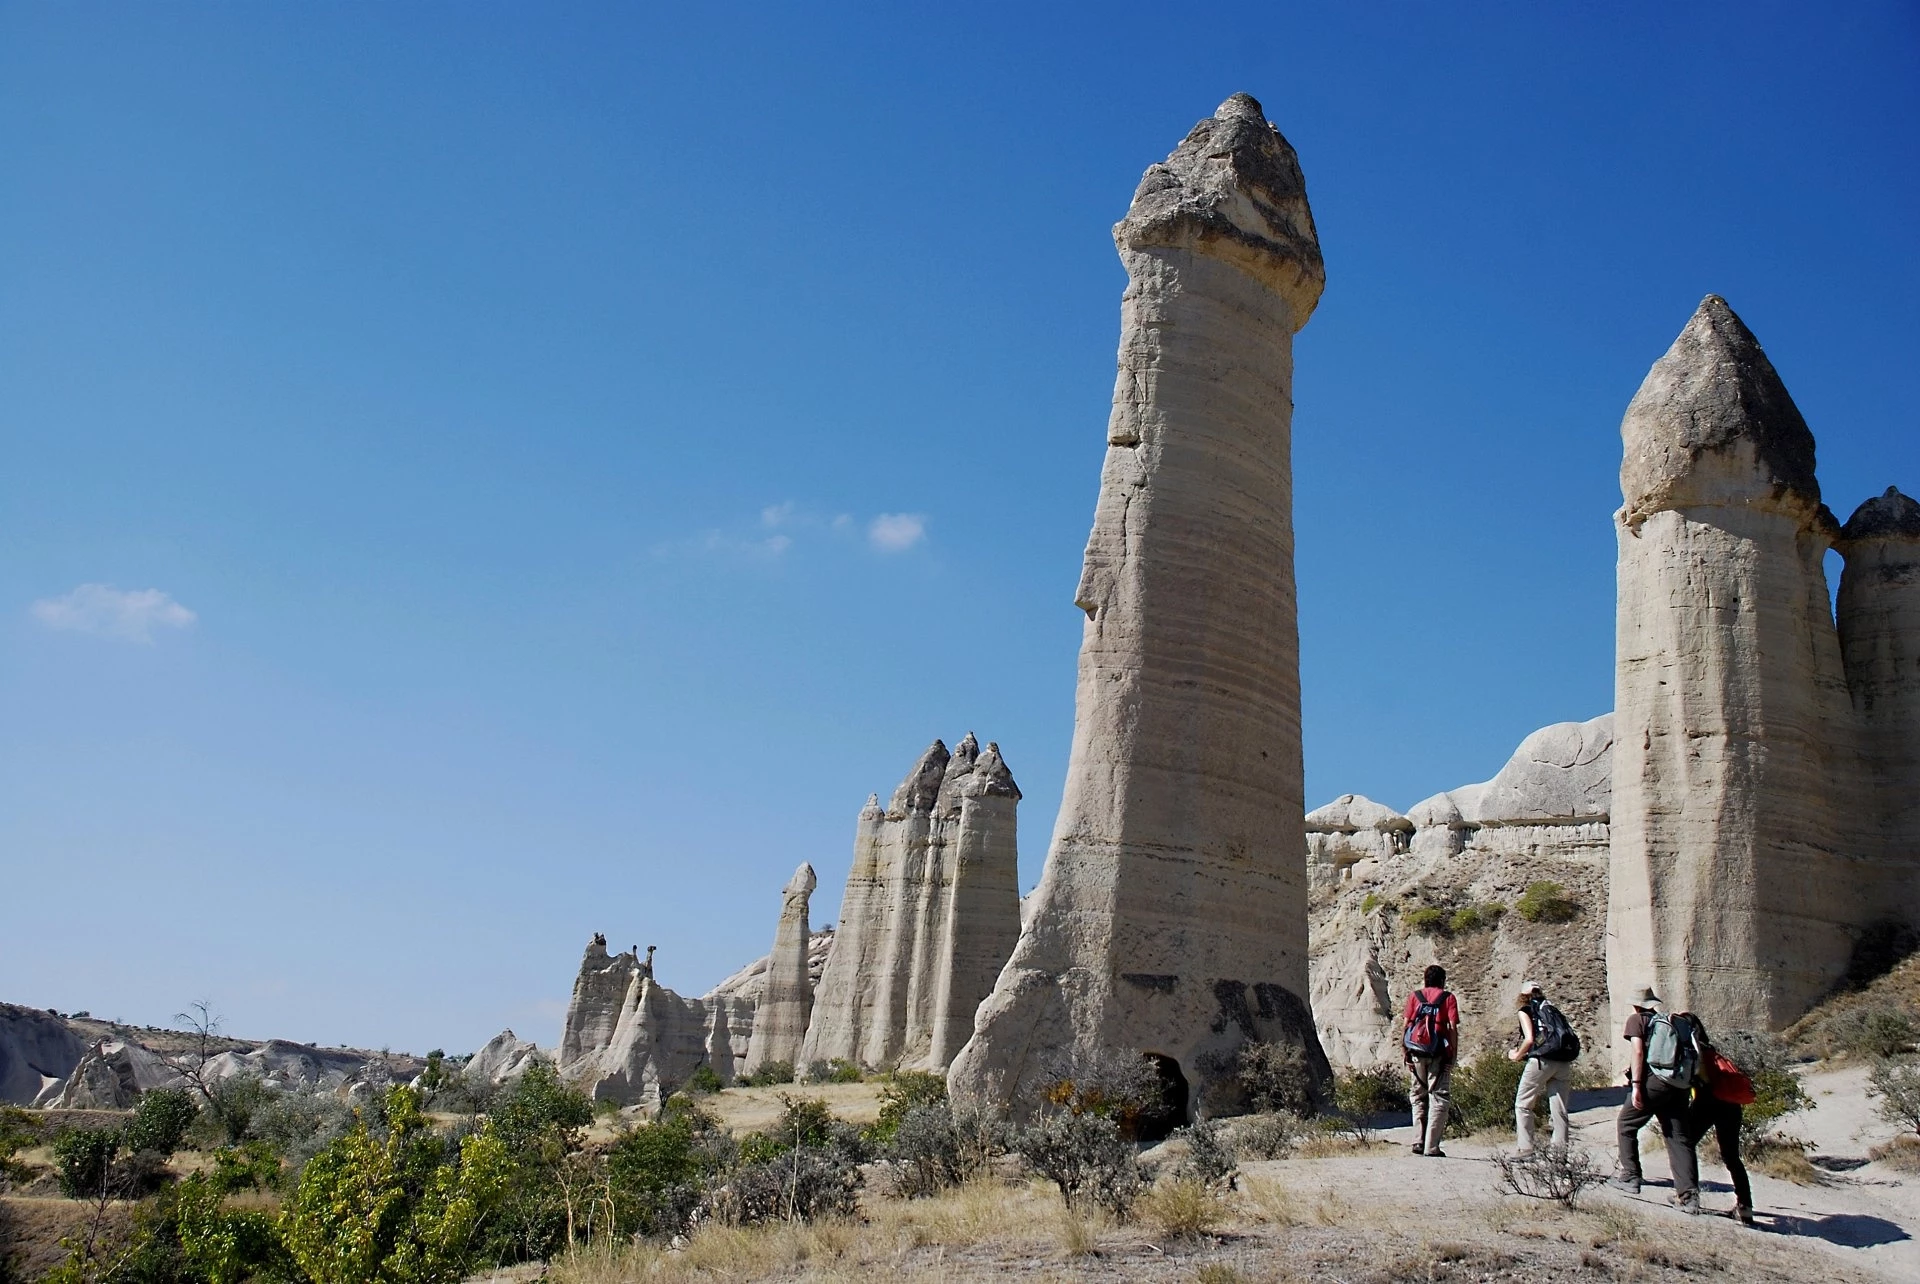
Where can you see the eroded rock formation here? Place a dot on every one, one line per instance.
(786, 996)
(630, 1040)
(1543, 818)
(930, 913)
(505, 1057)
(1171, 919)
(38, 1050)
(1751, 839)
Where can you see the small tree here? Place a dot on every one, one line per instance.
(160, 1121)
(1087, 1158)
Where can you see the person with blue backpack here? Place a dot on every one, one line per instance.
(1549, 1046)
(1666, 1051)
(1429, 1044)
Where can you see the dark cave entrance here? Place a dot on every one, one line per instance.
(1168, 1108)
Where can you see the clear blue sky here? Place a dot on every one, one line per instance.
(579, 452)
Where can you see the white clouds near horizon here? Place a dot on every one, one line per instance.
(101, 610)
(782, 525)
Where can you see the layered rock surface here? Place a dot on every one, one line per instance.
(1542, 818)
(786, 997)
(930, 913)
(1748, 845)
(38, 1050)
(630, 1040)
(1171, 918)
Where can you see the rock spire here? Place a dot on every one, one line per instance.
(930, 913)
(1741, 870)
(786, 999)
(1171, 919)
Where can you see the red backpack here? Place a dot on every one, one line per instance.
(1427, 1035)
(1726, 1081)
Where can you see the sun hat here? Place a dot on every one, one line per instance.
(1532, 987)
(1644, 997)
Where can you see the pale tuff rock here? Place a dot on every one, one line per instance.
(750, 980)
(505, 1057)
(1542, 817)
(112, 1075)
(786, 997)
(1353, 828)
(37, 1052)
(630, 1040)
(930, 912)
(1171, 919)
(1742, 866)
(1879, 625)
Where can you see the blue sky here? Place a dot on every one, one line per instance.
(576, 453)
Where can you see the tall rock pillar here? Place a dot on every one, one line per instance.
(786, 1001)
(1172, 916)
(1736, 880)
(1879, 620)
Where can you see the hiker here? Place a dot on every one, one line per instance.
(1660, 1076)
(1719, 1107)
(1548, 1045)
(1429, 1044)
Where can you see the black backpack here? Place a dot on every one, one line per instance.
(1553, 1038)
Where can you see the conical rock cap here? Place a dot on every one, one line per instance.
(1888, 516)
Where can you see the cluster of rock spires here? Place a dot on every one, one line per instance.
(930, 913)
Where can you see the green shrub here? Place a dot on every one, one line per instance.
(538, 1104)
(1371, 902)
(1896, 1085)
(704, 1080)
(1211, 1155)
(84, 1157)
(221, 1245)
(1546, 902)
(1474, 918)
(393, 1209)
(1869, 1029)
(1364, 1095)
(1087, 1158)
(1275, 1078)
(1269, 1136)
(1428, 920)
(160, 1121)
(805, 1186)
(1483, 1093)
(654, 1175)
(905, 1089)
(1777, 1091)
(838, 1070)
(770, 1074)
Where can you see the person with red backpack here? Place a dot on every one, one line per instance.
(1719, 1106)
(1429, 1043)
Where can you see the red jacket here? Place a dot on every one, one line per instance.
(1449, 1016)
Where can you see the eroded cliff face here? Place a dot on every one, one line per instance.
(1748, 845)
(930, 913)
(1171, 917)
(1542, 818)
(786, 996)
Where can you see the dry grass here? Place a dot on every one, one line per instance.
(1183, 1208)
(1270, 1202)
(1785, 1160)
(751, 1109)
(1902, 1154)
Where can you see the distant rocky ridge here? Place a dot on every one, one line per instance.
(77, 1063)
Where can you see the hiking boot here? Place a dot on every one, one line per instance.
(1688, 1204)
(1743, 1213)
(1436, 1153)
(1419, 1148)
(1629, 1184)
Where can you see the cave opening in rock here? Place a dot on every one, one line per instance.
(1167, 1109)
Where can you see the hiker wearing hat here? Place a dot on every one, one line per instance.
(1660, 1079)
(1548, 1045)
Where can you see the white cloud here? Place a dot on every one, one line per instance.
(896, 532)
(105, 611)
(776, 515)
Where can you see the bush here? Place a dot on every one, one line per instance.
(1546, 902)
(1427, 921)
(536, 1105)
(232, 1104)
(1476, 918)
(160, 1120)
(927, 1145)
(1269, 1136)
(1104, 1082)
(1902, 1154)
(704, 1081)
(838, 1070)
(1365, 1095)
(1086, 1156)
(392, 1208)
(1866, 1029)
(1548, 1173)
(84, 1159)
(1211, 1159)
(1483, 1093)
(770, 1074)
(1183, 1207)
(1776, 1089)
(904, 1090)
(1275, 1078)
(298, 1125)
(1896, 1085)
(654, 1174)
(802, 1186)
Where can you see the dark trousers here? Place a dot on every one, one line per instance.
(1723, 1118)
(1671, 1106)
